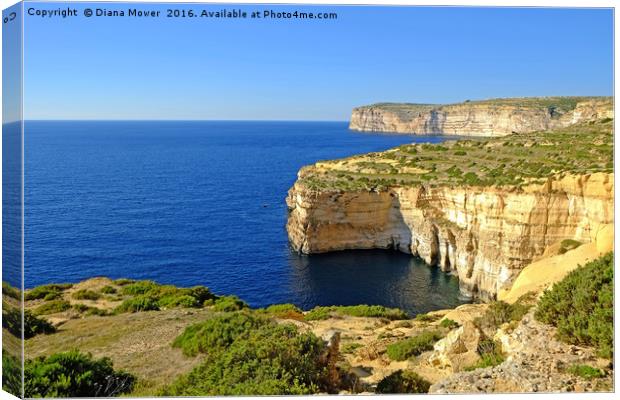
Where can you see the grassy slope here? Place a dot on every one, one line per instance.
(513, 160)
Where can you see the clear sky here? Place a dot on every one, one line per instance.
(128, 68)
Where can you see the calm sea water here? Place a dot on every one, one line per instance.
(191, 203)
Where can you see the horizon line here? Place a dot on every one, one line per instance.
(173, 120)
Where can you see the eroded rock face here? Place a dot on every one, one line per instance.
(485, 235)
(458, 350)
(475, 118)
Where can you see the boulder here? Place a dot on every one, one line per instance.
(458, 349)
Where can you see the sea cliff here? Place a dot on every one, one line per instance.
(478, 209)
(495, 117)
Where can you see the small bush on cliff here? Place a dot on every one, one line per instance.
(52, 307)
(10, 291)
(74, 374)
(52, 290)
(490, 355)
(217, 332)
(585, 371)
(449, 324)
(12, 321)
(137, 304)
(284, 311)
(229, 303)
(581, 306)
(405, 349)
(11, 374)
(149, 295)
(249, 355)
(500, 312)
(403, 382)
(363, 310)
(568, 244)
(85, 294)
(108, 290)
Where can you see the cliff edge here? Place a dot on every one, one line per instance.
(495, 117)
(482, 209)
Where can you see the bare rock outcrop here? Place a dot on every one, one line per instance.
(535, 362)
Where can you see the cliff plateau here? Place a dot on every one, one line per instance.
(495, 117)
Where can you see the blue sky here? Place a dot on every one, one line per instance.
(124, 68)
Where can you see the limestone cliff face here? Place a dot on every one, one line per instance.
(484, 118)
(485, 235)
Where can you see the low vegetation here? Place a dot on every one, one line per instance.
(448, 324)
(74, 374)
(284, 311)
(581, 306)
(84, 294)
(10, 291)
(12, 321)
(490, 353)
(403, 382)
(568, 244)
(414, 346)
(319, 313)
(516, 160)
(52, 307)
(585, 371)
(46, 292)
(500, 312)
(247, 354)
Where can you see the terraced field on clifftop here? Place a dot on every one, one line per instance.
(514, 160)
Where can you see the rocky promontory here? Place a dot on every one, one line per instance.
(495, 117)
(482, 209)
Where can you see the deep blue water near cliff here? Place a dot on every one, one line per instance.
(191, 203)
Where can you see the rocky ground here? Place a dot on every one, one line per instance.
(536, 362)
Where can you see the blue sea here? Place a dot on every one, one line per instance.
(202, 203)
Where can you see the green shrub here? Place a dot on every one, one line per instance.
(500, 312)
(229, 303)
(218, 331)
(108, 290)
(152, 296)
(581, 306)
(585, 371)
(568, 244)
(403, 382)
(11, 374)
(426, 317)
(73, 374)
(12, 321)
(137, 304)
(52, 296)
(84, 294)
(138, 288)
(362, 310)
(284, 311)
(350, 347)
(52, 307)
(268, 359)
(490, 355)
(10, 291)
(448, 324)
(123, 281)
(414, 346)
(88, 310)
(40, 292)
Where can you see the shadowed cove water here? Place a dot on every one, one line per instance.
(202, 203)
